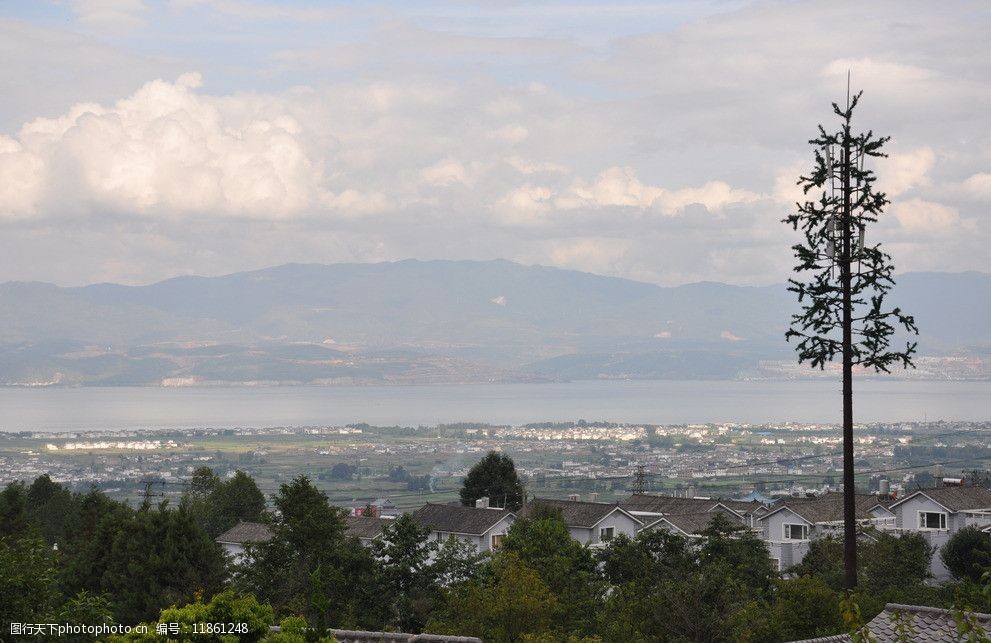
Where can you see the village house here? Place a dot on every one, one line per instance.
(482, 526)
(590, 523)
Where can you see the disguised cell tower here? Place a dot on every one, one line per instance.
(842, 296)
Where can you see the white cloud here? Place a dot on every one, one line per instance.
(449, 171)
(260, 10)
(926, 218)
(881, 74)
(978, 186)
(525, 205)
(787, 191)
(168, 151)
(110, 14)
(22, 174)
(435, 136)
(619, 186)
(512, 133)
(904, 171)
(526, 166)
(598, 254)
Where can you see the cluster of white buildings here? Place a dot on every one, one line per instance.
(120, 445)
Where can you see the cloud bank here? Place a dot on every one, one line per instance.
(663, 147)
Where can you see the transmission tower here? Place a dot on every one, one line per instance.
(639, 480)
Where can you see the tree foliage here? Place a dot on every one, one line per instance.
(512, 602)
(967, 554)
(821, 293)
(28, 581)
(494, 477)
(157, 558)
(309, 567)
(404, 554)
(219, 504)
(115, 563)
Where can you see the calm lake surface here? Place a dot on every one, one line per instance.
(73, 409)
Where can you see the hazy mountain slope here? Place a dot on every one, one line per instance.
(479, 319)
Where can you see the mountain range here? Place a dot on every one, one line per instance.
(440, 321)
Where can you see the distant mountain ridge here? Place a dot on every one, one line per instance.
(426, 321)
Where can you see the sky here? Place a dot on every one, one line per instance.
(658, 141)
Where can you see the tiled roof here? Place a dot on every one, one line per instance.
(929, 624)
(575, 513)
(743, 506)
(365, 526)
(957, 498)
(694, 524)
(356, 636)
(460, 520)
(246, 532)
(671, 505)
(829, 507)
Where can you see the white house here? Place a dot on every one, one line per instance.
(648, 507)
(590, 523)
(243, 533)
(939, 513)
(694, 524)
(943, 509)
(483, 527)
(792, 524)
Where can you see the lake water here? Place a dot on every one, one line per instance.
(73, 409)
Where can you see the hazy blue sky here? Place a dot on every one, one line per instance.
(652, 140)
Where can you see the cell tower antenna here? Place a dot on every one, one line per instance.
(848, 90)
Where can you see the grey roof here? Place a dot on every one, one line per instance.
(671, 505)
(695, 524)
(459, 520)
(577, 513)
(828, 507)
(358, 636)
(365, 526)
(246, 532)
(930, 624)
(957, 498)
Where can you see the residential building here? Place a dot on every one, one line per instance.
(793, 523)
(943, 509)
(243, 533)
(590, 523)
(482, 527)
(939, 513)
(365, 528)
(649, 507)
(692, 525)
